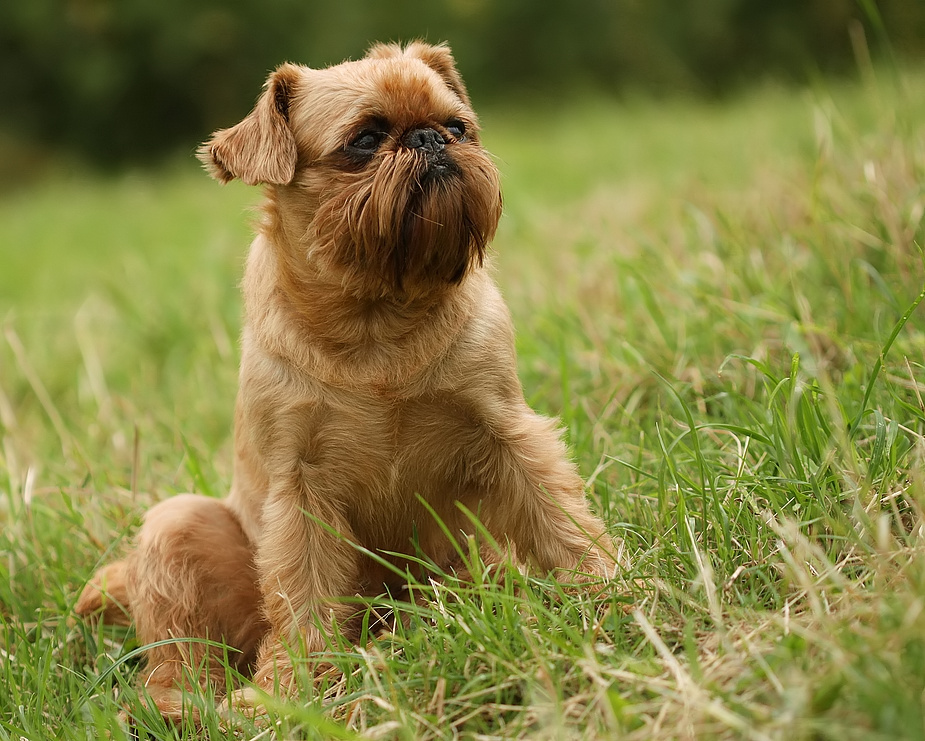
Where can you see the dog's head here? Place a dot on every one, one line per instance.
(380, 158)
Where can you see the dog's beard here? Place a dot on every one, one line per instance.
(414, 224)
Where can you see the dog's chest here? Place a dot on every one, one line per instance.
(383, 464)
(399, 448)
(419, 457)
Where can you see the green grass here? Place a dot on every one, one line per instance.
(720, 302)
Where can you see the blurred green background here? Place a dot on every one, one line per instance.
(126, 81)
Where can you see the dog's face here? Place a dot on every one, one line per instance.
(382, 162)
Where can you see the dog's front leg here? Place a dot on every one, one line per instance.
(539, 500)
(306, 562)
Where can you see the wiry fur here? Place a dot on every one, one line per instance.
(377, 370)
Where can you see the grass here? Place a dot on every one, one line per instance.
(721, 302)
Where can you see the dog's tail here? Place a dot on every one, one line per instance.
(106, 596)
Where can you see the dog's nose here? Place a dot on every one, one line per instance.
(427, 140)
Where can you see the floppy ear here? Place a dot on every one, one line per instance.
(260, 149)
(439, 58)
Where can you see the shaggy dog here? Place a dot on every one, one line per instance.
(379, 404)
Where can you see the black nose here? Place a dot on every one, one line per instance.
(426, 140)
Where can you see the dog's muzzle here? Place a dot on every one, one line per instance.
(430, 144)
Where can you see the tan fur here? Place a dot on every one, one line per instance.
(377, 370)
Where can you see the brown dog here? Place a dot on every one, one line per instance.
(378, 382)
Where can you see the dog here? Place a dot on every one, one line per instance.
(379, 405)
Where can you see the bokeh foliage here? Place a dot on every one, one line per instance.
(120, 80)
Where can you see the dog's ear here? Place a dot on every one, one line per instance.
(439, 58)
(260, 149)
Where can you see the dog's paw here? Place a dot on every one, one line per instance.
(247, 702)
(172, 703)
(106, 596)
(594, 578)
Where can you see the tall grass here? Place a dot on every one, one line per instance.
(722, 304)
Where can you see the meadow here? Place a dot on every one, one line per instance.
(721, 302)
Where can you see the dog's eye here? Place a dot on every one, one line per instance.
(367, 142)
(456, 128)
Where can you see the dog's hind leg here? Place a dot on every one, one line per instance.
(192, 579)
(191, 583)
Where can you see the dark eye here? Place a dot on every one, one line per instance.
(367, 142)
(456, 128)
